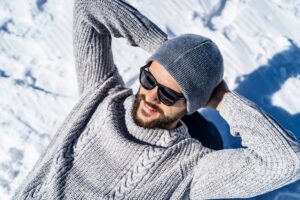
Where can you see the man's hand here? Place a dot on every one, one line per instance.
(217, 95)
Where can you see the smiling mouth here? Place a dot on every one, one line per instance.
(148, 111)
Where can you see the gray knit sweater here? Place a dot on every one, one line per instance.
(100, 153)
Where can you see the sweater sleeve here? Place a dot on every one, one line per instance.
(269, 157)
(94, 24)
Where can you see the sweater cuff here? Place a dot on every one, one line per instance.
(147, 34)
(153, 38)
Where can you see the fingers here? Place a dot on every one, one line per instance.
(217, 95)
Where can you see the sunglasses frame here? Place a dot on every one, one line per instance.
(175, 94)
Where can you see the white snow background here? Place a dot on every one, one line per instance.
(260, 42)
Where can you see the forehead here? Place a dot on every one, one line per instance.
(163, 76)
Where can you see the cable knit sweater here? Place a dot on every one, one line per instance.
(100, 153)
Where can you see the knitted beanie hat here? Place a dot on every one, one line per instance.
(196, 63)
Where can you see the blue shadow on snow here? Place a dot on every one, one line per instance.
(259, 86)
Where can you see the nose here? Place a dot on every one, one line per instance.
(151, 96)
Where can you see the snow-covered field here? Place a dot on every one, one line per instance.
(260, 42)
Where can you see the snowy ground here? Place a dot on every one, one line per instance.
(259, 40)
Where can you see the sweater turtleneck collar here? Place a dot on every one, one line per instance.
(158, 137)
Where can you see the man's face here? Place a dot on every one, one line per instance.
(149, 112)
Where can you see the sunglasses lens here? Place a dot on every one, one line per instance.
(147, 80)
(167, 96)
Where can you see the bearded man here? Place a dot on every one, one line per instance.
(118, 145)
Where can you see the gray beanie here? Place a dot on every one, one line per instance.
(196, 63)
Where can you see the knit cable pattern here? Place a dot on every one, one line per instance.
(114, 158)
(137, 173)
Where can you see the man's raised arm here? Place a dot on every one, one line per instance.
(94, 24)
(270, 158)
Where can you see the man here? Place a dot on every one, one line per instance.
(117, 145)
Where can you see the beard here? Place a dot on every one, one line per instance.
(162, 122)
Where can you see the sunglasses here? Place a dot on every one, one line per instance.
(166, 95)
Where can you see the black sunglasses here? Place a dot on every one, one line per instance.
(166, 95)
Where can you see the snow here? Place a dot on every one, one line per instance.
(259, 41)
(288, 89)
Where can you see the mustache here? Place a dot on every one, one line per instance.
(152, 106)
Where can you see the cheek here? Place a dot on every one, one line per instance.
(141, 90)
(178, 108)
(169, 110)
